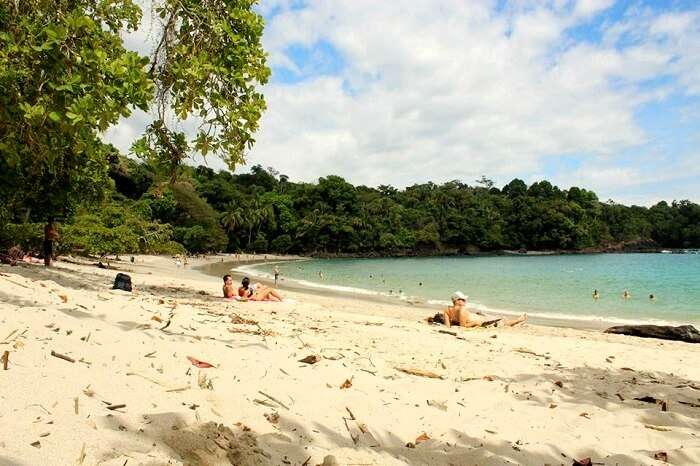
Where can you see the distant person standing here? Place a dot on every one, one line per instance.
(596, 295)
(277, 274)
(50, 235)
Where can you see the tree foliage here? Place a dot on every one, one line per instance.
(207, 65)
(64, 77)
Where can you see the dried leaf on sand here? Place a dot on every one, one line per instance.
(422, 438)
(201, 364)
(311, 359)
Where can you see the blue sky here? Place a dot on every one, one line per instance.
(600, 94)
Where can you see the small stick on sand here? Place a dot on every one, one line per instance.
(81, 458)
(75, 404)
(5, 358)
(352, 416)
(62, 356)
(14, 282)
(11, 333)
(145, 378)
(419, 372)
(113, 407)
(273, 399)
(181, 389)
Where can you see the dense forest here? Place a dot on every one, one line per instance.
(263, 211)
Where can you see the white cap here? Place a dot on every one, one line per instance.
(459, 295)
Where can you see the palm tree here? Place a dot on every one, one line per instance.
(233, 218)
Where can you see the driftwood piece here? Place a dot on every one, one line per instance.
(5, 358)
(113, 407)
(686, 333)
(62, 356)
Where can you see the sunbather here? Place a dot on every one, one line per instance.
(458, 314)
(257, 291)
(229, 292)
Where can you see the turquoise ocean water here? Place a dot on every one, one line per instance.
(544, 286)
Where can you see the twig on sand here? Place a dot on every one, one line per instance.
(5, 358)
(62, 356)
(181, 389)
(145, 378)
(14, 282)
(527, 351)
(81, 458)
(113, 407)
(369, 371)
(449, 332)
(273, 399)
(265, 403)
(352, 416)
(11, 333)
(419, 372)
(75, 405)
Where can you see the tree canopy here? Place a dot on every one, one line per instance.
(65, 77)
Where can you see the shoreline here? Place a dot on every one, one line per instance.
(173, 374)
(329, 291)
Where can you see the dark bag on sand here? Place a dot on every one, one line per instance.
(122, 282)
(439, 318)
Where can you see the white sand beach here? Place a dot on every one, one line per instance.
(127, 394)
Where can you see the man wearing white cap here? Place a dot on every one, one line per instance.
(458, 314)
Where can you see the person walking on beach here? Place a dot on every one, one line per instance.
(277, 274)
(50, 235)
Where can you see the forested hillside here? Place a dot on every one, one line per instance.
(264, 211)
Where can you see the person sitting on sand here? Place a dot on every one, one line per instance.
(257, 292)
(458, 314)
(229, 292)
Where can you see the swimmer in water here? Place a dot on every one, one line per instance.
(652, 297)
(596, 295)
(626, 295)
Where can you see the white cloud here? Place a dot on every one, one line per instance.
(448, 89)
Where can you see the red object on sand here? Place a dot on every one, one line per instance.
(198, 363)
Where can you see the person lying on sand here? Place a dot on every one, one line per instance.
(257, 291)
(458, 314)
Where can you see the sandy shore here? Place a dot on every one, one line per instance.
(530, 395)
